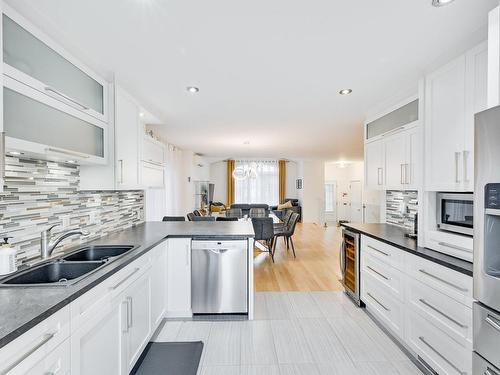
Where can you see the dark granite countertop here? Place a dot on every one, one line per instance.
(21, 308)
(395, 236)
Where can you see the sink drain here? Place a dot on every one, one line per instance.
(63, 280)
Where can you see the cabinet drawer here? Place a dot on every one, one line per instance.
(382, 251)
(455, 245)
(452, 283)
(99, 298)
(57, 362)
(443, 311)
(36, 344)
(438, 350)
(487, 333)
(152, 152)
(390, 277)
(382, 304)
(151, 175)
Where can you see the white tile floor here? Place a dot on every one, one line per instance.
(318, 333)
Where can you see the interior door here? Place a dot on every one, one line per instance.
(356, 202)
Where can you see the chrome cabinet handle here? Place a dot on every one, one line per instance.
(376, 300)
(457, 160)
(424, 302)
(490, 371)
(2, 158)
(454, 246)
(465, 157)
(68, 153)
(493, 322)
(380, 176)
(130, 312)
(442, 280)
(402, 173)
(46, 338)
(125, 278)
(422, 338)
(380, 251)
(121, 170)
(66, 97)
(377, 272)
(407, 174)
(341, 257)
(125, 302)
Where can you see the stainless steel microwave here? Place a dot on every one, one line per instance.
(455, 212)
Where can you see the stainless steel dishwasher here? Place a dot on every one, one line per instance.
(219, 277)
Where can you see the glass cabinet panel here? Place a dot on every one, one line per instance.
(64, 80)
(400, 117)
(31, 120)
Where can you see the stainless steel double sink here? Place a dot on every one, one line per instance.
(69, 268)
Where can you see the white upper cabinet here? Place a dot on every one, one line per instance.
(126, 140)
(392, 149)
(454, 93)
(395, 161)
(33, 59)
(374, 165)
(54, 107)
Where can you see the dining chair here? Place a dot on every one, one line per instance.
(264, 231)
(173, 218)
(197, 213)
(190, 216)
(234, 212)
(203, 218)
(287, 233)
(284, 221)
(223, 218)
(257, 212)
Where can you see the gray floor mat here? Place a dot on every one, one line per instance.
(169, 358)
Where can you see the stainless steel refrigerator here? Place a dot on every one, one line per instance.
(486, 358)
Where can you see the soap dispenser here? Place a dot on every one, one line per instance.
(7, 257)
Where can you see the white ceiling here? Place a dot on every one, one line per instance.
(269, 71)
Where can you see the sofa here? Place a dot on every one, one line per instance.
(245, 208)
(296, 207)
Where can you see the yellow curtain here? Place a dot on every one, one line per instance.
(230, 182)
(282, 180)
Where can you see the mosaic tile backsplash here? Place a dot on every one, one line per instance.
(38, 194)
(401, 207)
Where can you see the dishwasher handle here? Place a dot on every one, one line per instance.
(218, 251)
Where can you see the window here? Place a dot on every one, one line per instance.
(258, 182)
(329, 197)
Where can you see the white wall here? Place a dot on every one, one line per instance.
(312, 195)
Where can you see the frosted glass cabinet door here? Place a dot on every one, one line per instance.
(33, 62)
(30, 120)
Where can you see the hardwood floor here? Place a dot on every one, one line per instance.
(316, 267)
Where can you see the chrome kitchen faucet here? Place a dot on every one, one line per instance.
(48, 245)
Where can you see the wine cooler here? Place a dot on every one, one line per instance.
(349, 264)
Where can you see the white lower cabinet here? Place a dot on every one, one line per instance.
(158, 283)
(428, 307)
(137, 300)
(96, 346)
(179, 277)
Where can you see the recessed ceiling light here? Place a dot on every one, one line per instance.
(246, 142)
(345, 91)
(15, 153)
(141, 114)
(192, 89)
(440, 3)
